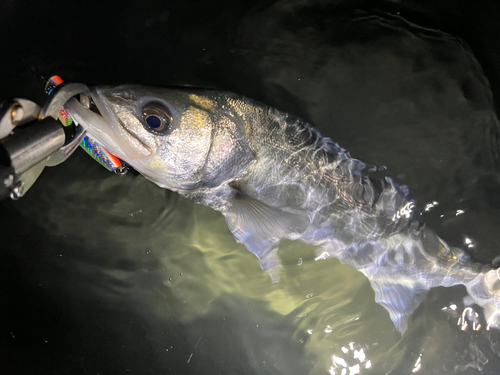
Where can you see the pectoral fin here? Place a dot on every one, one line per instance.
(261, 227)
(400, 300)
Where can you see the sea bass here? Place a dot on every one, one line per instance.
(274, 177)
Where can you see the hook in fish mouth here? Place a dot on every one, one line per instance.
(84, 113)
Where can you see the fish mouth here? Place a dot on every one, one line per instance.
(104, 126)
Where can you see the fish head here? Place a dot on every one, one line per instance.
(165, 134)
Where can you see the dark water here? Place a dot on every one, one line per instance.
(107, 275)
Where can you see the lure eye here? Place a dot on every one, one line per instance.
(157, 118)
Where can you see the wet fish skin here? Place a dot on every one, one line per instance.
(273, 176)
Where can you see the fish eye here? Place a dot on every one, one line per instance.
(157, 118)
(153, 121)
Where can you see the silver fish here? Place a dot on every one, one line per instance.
(274, 177)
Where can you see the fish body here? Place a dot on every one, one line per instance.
(274, 177)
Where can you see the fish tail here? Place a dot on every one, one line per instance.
(485, 291)
(404, 267)
(481, 280)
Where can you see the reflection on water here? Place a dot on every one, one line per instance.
(412, 99)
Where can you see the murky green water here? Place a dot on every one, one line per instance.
(128, 278)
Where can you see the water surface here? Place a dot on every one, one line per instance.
(115, 275)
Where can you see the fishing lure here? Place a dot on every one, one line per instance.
(101, 155)
(91, 147)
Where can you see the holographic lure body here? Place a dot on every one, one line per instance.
(101, 155)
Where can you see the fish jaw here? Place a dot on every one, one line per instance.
(107, 129)
(121, 129)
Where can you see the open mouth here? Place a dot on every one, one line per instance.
(95, 116)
